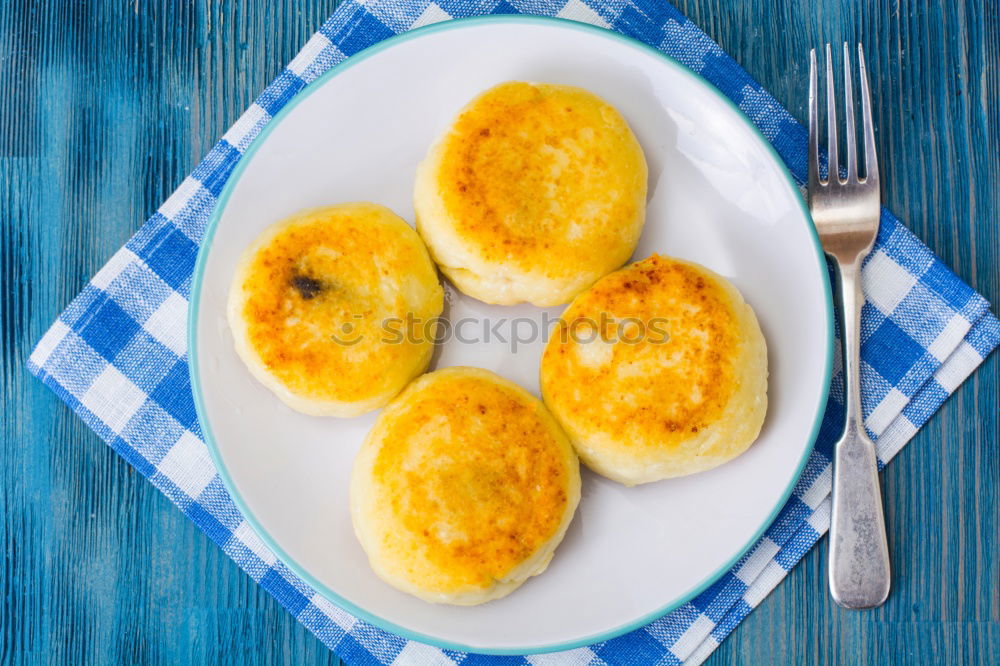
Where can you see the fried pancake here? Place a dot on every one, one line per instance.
(658, 370)
(532, 194)
(309, 301)
(463, 488)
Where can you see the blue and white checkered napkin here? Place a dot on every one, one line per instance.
(118, 354)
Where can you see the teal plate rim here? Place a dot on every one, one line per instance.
(194, 311)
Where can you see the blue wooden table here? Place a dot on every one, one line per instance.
(107, 105)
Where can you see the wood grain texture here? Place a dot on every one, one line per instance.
(108, 105)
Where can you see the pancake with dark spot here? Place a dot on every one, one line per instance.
(309, 300)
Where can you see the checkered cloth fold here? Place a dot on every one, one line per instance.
(118, 354)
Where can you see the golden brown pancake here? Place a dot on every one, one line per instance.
(534, 192)
(463, 488)
(671, 381)
(309, 301)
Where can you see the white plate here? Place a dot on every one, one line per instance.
(718, 195)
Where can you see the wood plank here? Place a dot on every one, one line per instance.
(110, 104)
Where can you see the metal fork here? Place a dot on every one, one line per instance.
(845, 211)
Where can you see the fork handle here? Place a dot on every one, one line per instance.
(859, 551)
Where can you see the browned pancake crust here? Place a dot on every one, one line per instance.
(470, 477)
(686, 381)
(533, 182)
(315, 295)
(659, 370)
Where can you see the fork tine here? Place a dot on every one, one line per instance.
(850, 135)
(871, 158)
(813, 124)
(833, 165)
